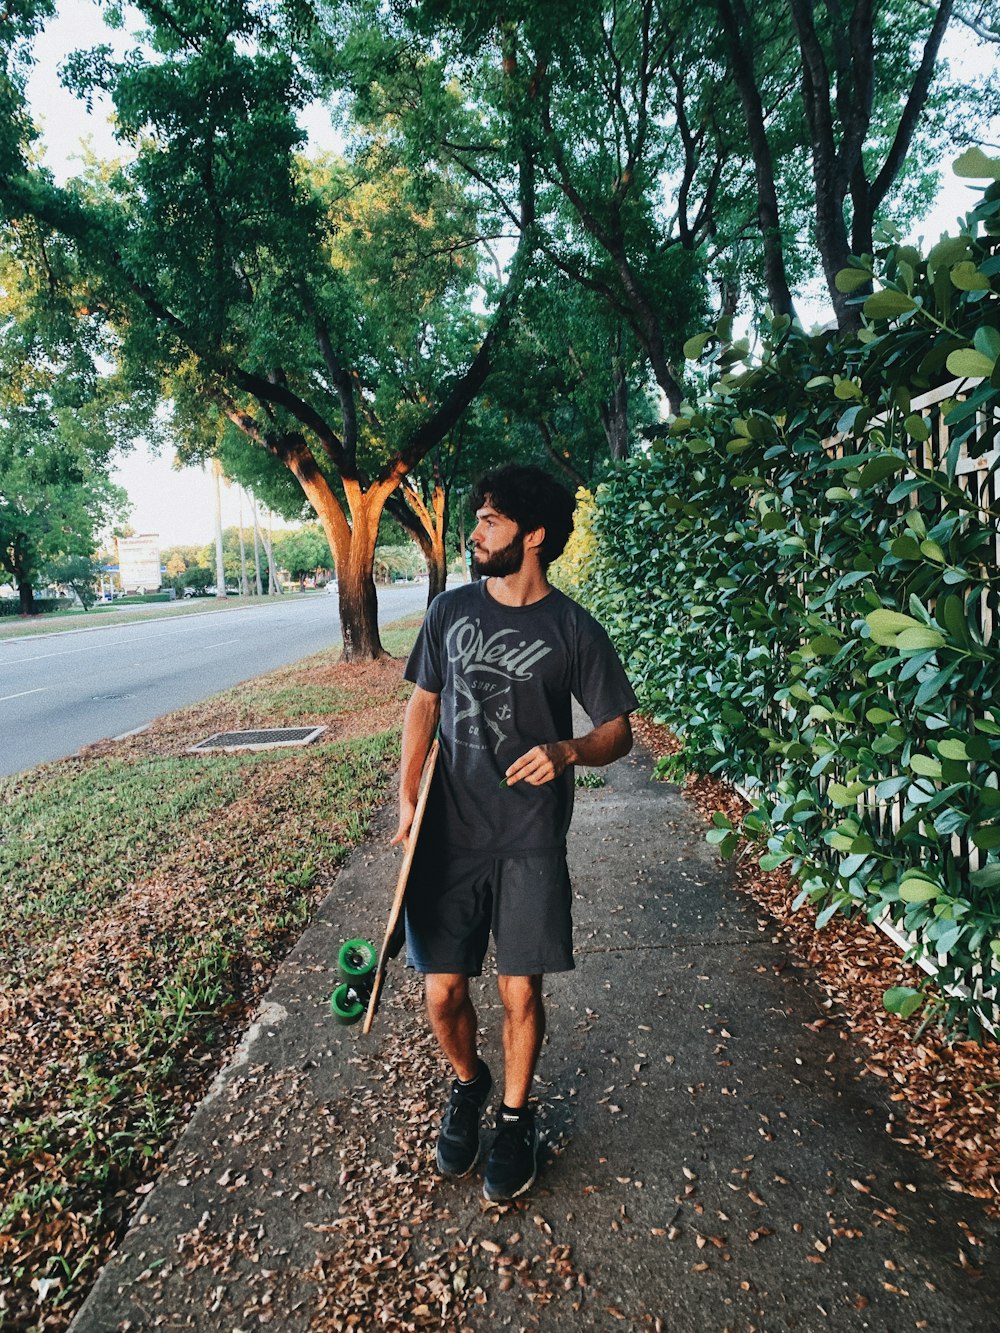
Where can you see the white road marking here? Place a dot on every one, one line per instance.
(41, 690)
(90, 648)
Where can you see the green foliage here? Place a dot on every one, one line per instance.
(393, 562)
(80, 573)
(574, 568)
(11, 606)
(815, 618)
(61, 419)
(302, 551)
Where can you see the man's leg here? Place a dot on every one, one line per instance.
(513, 1159)
(523, 1030)
(453, 1020)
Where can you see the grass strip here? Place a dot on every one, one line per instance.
(146, 895)
(113, 613)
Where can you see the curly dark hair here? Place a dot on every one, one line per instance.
(533, 499)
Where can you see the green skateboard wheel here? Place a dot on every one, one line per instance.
(356, 960)
(345, 1005)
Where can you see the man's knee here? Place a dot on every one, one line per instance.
(521, 996)
(445, 993)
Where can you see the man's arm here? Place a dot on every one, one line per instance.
(419, 724)
(601, 746)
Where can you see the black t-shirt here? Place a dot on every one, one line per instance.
(507, 676)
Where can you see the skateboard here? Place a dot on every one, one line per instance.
(362, 970)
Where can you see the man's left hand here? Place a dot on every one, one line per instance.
(540, 765)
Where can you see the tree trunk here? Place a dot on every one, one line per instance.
(835, 250)
(427, 522)
(739, 38)
(358, 598)
(645, 323)
(256, 546)
(355, 573)
(26, 595)
(617, 427)
(12, 560)
(437, 568)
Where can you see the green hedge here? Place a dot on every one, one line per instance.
(814, 618)
(11, 606)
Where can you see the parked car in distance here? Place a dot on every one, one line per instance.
(333, 586)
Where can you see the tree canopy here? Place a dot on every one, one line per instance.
(62, 418)
(534, 206)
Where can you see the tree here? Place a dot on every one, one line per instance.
(669, 139)
(79, 573)
(865, 75)
(53, 501)
(586, 91)
(320, 310)
(61, 418)
(302, 551)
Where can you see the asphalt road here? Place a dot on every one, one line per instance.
(64, 690)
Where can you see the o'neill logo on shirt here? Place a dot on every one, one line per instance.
(483, 707)
(497, 655)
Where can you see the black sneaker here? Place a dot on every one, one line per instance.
(513, 1161)
(458, 1141)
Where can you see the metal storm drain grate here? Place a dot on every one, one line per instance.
(268, 738)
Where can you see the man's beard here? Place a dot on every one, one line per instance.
(507, 560)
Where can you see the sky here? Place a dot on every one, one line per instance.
(178, 504)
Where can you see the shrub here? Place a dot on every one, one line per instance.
(804, 577)
(572, 571)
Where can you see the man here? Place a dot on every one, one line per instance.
(495, 670)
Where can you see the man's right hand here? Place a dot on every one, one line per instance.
(406, 813)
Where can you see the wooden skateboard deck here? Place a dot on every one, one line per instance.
(391, 940)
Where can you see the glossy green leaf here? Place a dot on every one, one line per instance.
(987, 341)
(969, 363)
(877, 469)
(886, 625)
(967, 278)
(921, 638)
(852, 279)
(916, 427)
(918, 891)
(932, 551)
(694, 347)
(976, 165)
(926, 765)
(902, 1000)
(952, 749)
(905, 548)
(888, 304)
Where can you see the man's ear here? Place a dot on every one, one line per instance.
(534, 539)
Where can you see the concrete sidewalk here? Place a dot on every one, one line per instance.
(711, 1163)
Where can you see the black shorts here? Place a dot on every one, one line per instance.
(455, 900)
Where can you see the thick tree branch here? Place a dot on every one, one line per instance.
(915, 104)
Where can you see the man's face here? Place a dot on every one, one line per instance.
(497, 544)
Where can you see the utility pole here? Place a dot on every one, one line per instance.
(220, 568)
(273, 582)
(256, 544)
(244, 582)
